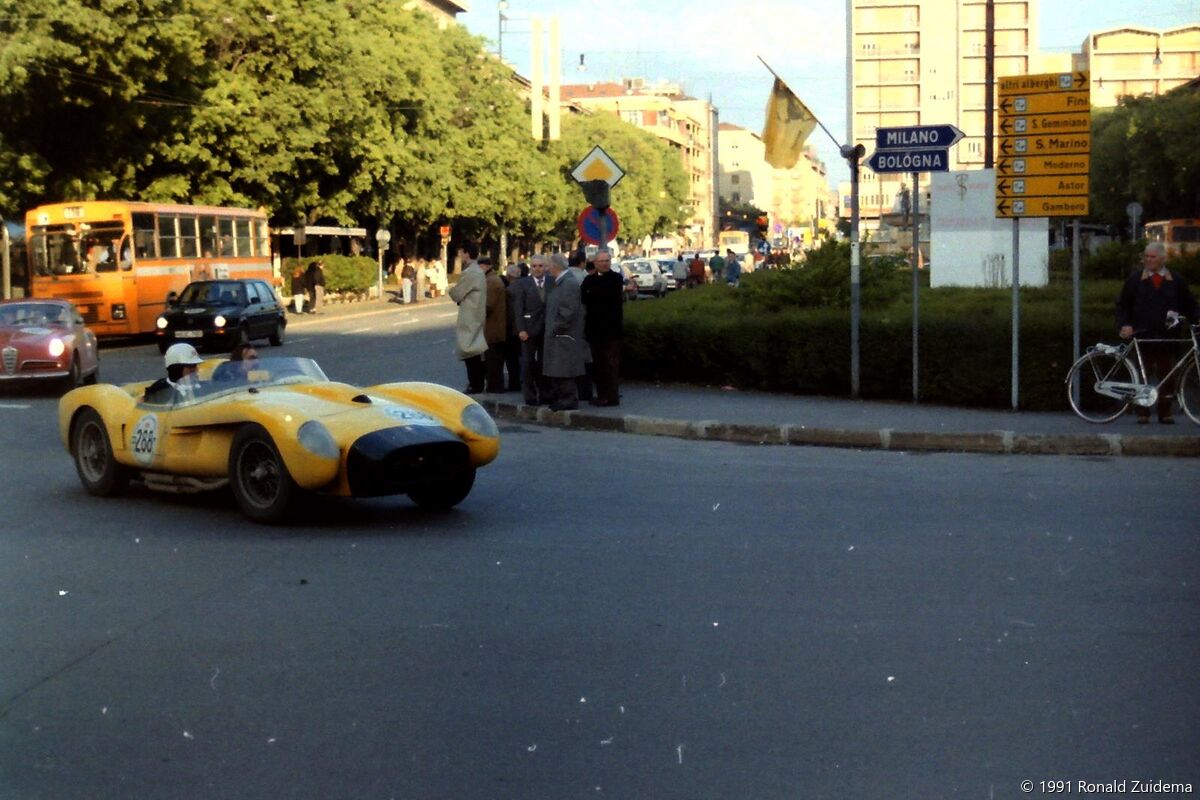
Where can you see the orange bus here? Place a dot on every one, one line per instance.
(1178, 235)
(117, 261)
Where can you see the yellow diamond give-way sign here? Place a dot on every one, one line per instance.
(598, 166)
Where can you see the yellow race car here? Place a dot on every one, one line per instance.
(276, 429)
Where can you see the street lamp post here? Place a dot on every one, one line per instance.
(382, 237)
(501, 7)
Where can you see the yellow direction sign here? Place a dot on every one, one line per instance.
(1057, 103)
(1018, 166)
(1046, 123)
(1045, 83)
(1053, 144)
(1063, 185)
(598, 166)
(1042, 207)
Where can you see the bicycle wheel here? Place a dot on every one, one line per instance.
(1081, 382)
(1189, 391)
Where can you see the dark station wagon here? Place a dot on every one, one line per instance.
(221, 314)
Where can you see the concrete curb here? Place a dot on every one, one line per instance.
(993, 442)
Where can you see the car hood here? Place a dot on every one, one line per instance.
(29, 335)
(189, 312)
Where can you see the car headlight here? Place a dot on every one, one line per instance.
(219, 321)
(479, 422)
(57, 348)
(162, 323)
(316, 439)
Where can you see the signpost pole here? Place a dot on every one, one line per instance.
(916, 280)
(1016, 310)
(5, 263)
(853, 153)
(1075, 324)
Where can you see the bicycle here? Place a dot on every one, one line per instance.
(1108, 379)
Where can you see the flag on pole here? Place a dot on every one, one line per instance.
(788, 125)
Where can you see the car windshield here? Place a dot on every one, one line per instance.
(33, 314)
(213, 293)
(233, 377)
(642, 267)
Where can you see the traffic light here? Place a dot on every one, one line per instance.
(763, 225)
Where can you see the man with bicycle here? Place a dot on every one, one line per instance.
(1149, 304)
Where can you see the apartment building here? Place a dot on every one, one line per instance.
(796, 199)
(685, 123)
(922, 62)
(1134, 60)
(444, 11)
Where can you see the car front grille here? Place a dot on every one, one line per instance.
(393, 460)
(10, 360)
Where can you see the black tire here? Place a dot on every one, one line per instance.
(93, 378)
(163, 344)
(277, 337)
(242, 336)
(1082, 379)
(92, 450)
(444, 493)
(261, 483)
(75, 375)
(1189, 391)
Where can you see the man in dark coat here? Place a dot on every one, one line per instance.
(1150, 298)
(316, 285)
(603, 294)
(564, 337)
(512, 343)
(495, 327)
(528, 296)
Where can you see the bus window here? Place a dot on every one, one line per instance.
(143, 236)
(264, 238)
(168, 241)
(1186, 233)
(225, 231)
(208, 236)
(187, 236)
(244, 248)
(99, 246)
(55, 251)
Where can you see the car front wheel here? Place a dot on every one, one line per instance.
(98, 470)
(261, 483)
(442, 493)
(277, 336)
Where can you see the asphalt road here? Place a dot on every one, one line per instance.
(604, 616)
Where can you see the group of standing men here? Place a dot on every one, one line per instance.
(561, 322)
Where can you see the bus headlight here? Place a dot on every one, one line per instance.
(162, 323)
(219, 321)
(57, 348)
(118, 311)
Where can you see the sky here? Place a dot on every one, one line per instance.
(711, 47)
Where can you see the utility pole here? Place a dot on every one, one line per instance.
(989, 50)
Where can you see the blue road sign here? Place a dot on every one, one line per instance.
(910, 160)
(913, 137)
(588, 225)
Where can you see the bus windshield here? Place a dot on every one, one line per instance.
(62, 250)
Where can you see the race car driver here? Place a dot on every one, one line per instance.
(181, 382)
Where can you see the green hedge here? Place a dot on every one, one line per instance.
(715, 336)
(342, 273)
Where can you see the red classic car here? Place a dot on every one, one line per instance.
(46, 340)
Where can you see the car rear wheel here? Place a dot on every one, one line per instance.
(75, 376)
(443, 493)
(277, 337)
(261, 483)
(98, 470)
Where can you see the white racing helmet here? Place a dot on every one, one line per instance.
(181, 353)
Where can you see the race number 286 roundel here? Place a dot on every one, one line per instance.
(144, 439)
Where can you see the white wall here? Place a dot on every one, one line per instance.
(969, 246)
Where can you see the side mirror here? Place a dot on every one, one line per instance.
(172, 299)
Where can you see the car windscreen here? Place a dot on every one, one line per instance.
(213, 293)
(233, 377)
(33, 315)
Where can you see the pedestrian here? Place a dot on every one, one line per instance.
(603, 296)
(716, 266)
(407, 274)
(563, 344)
(495, 327)
(580, 267)
(529, 315)
(299, 288)
(440, 280)
(1151, 299)
(680, 270)
(316, 285)
(512, 342)
(418, 282)
(470, 293)
(696, 271)
(733, 269)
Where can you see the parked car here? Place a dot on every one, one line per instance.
(667, 267)
(222, 313)
(627, 283)
(647, 276)
(276, 430)
(46, 340)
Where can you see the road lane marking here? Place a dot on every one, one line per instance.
(446, 316)
(15, 406)
(357, 330)
(404, 322)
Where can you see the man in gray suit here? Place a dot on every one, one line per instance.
(529, 316)
(563, 346)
